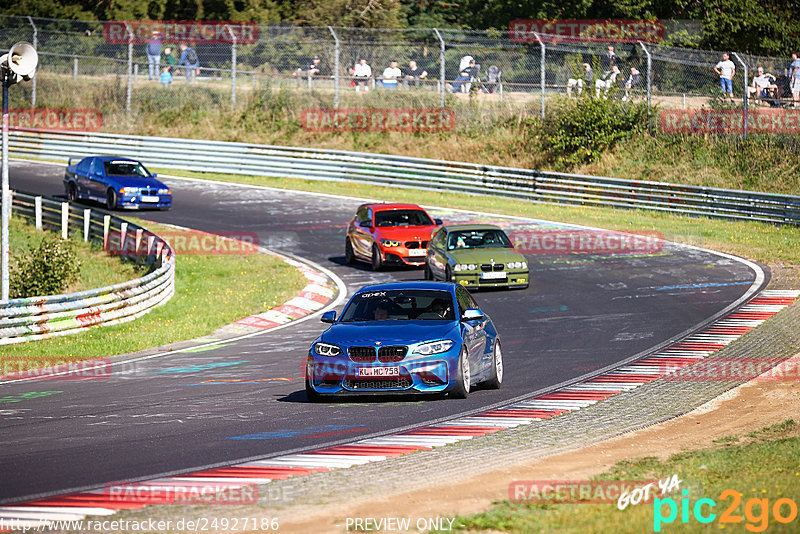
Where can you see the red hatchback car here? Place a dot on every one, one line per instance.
(389, 234)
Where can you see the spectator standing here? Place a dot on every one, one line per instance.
(170, 59)
(726, 70)
(415, 74)
(587, 79)
(391, 75)
(763, 85)
(190, 62)
(794, 80)
(608, 61)
(361, 74)
(166, 77)
(153, 51)
(633, 81)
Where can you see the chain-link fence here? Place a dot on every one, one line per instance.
(81, 67)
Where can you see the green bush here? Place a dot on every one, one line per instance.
(579, 131)
(44, 270)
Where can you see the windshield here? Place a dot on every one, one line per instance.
(402, 218)
(400, 305)
(125, 168)
(489, 238)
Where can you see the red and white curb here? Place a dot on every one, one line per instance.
(564, 400)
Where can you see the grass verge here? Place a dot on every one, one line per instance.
(210, 292)
(760, 465)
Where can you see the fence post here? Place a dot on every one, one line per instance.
(233, 66)
(744, 96)
(64, 220)
(36, 46)
(541, 69)
(443, 83)
(649, 82)
(335, 68)
(135, 74)
(87, 220)
(130, 68)
(37, 210)
(74, 67)
(106, 228)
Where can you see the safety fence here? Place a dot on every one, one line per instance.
(27, 319)
(417, 173)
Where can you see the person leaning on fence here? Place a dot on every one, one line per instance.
(361, 74)
(166, 77)
(190, 62)
(606, 83)
(170, 59)
(390, 76)
(794, 80)
(415, 74)
(153, 50)
(634, 80)
(588, 78)
(763, 86)
(726, 70)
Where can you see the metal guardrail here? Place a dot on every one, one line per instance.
(408, 172)
(28, 319)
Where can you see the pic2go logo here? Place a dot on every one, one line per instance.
(756, 511)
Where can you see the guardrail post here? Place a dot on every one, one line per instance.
(106, 228)
(64, 220)
(87, 219)
(335, 68)
(138, 241)
(35, 46)
(443, 83)
(123, 236)
(37, 210)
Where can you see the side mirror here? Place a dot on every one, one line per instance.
(438, 222)
(472, 314)
(155, 175)
(328, 317)
(365, 224)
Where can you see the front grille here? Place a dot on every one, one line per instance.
(148, 191)
(416, 244)
(394, 383)
(414, 259)
(488, 267)
(362, 354)
(392, 354)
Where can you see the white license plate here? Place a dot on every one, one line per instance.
(378, 371)
(417, 252)
(149, 198)
(501, 275)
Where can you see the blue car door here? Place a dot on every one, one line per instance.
(98, 182)
(472, 333)
(82, 180)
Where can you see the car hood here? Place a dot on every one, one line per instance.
(389, 332)
(485, 255)
(405, 233)
(138, 181)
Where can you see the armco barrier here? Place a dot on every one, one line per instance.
(407, 172)
(33, 318)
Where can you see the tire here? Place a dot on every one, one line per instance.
(111, 199)
(377, 262)
(461, 389)
(448, 275)
(72, 192)
(496, 377)
(426, 272)
(349, 255)
(311, 394)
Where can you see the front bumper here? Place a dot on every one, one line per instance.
(135, 202)
(403, 256)
(473, 280)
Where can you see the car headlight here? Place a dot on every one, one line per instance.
(434, 347)
(128, 190)
(390, 243)
(164, 192)
(465, 267)
(326, 349)
(517, 265)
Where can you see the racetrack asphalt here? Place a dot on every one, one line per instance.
(182, 412)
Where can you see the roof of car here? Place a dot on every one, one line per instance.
(451, 227)
(387, 206)
(414, 284)
(109, 158)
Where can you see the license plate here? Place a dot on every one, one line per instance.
(417, 252)
(149, 198)
(501, 275)
(378, 371)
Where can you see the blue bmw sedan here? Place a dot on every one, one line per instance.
(405, 337)
(116, 182)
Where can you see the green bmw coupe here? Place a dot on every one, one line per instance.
(475, 256)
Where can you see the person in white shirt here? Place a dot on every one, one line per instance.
(361, 75)
(606, 83)
(762, 86)
(726, 70)
(390, 76)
